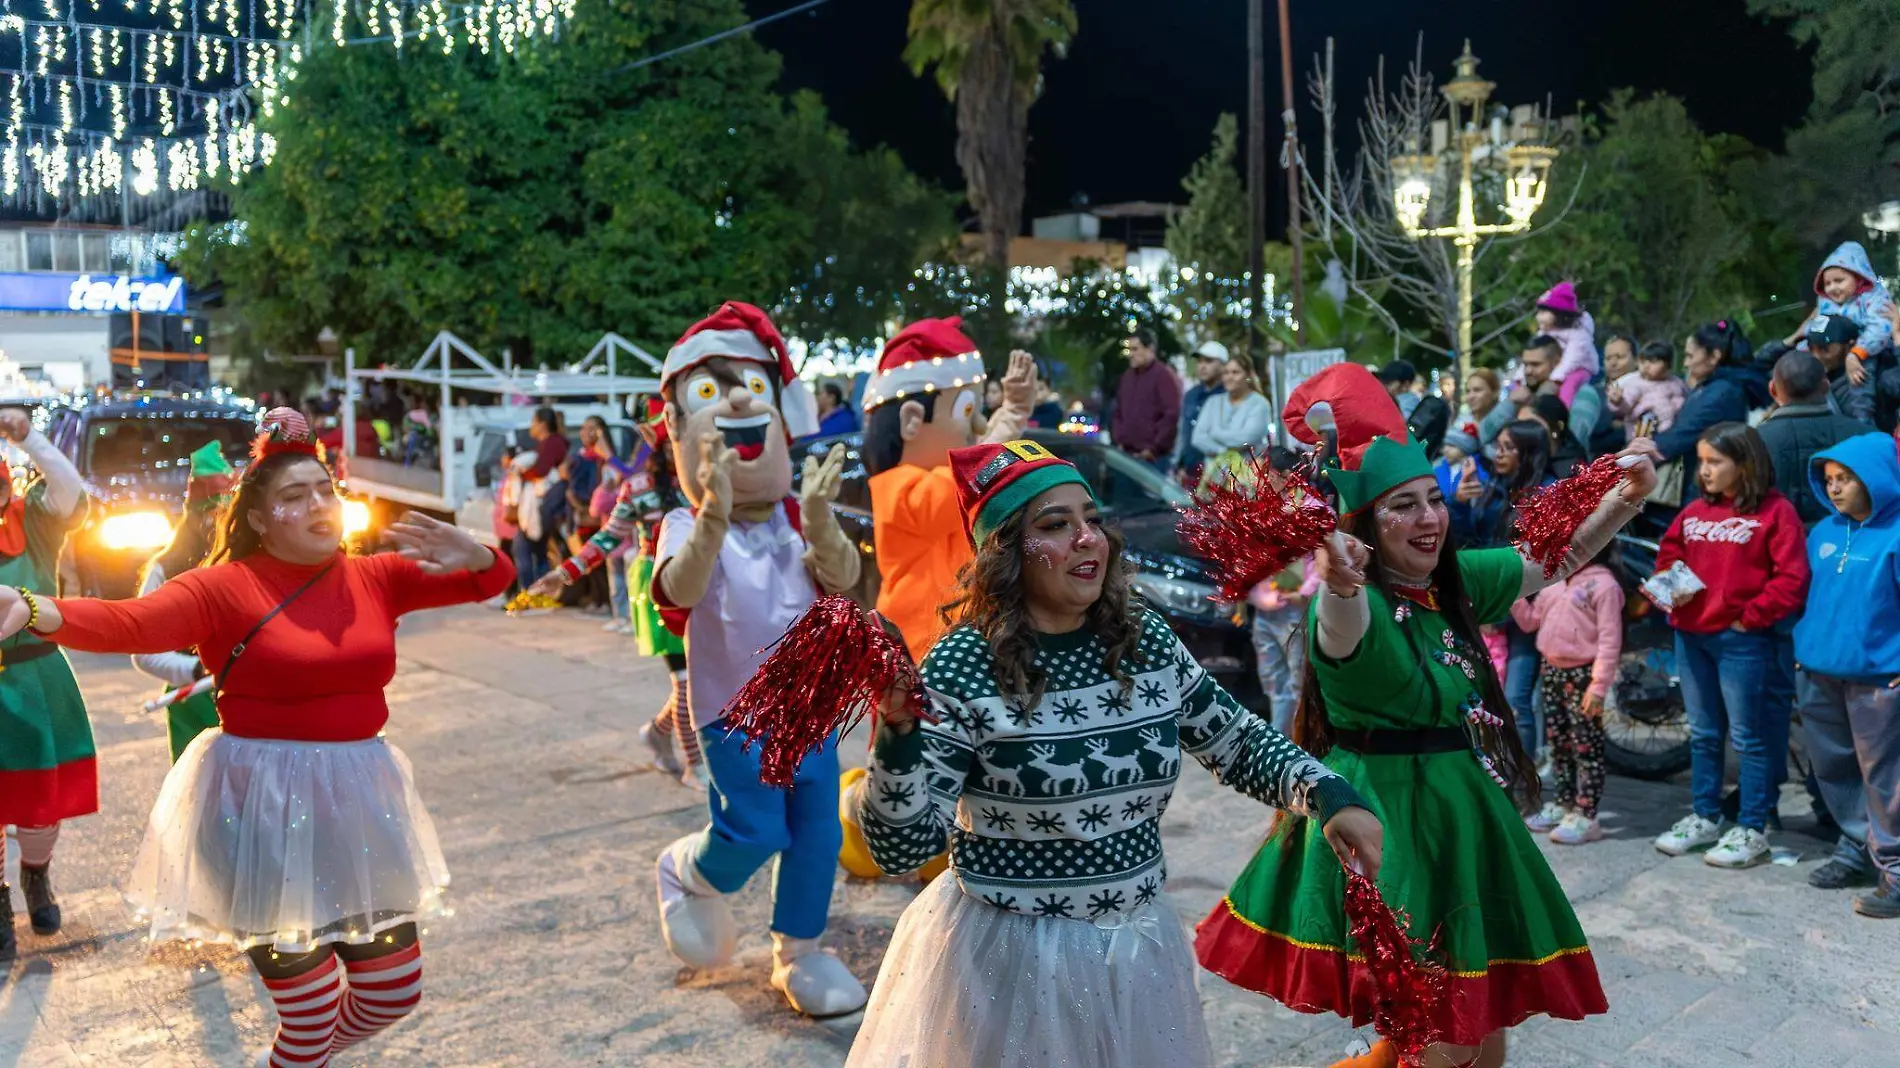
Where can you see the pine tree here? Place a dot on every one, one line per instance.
(1209, 237)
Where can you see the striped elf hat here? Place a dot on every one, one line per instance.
(994, 482)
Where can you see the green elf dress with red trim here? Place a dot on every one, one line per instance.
(1458, 859)
(47, 770)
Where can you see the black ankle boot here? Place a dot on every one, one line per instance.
(42, 908)
(9, 946)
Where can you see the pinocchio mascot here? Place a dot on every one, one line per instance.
(740, 566)
(922, 403)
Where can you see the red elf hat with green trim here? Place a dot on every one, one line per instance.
(994, 482)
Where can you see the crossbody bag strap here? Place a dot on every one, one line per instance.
(238, 649)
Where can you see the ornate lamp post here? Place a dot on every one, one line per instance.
(1418, 177)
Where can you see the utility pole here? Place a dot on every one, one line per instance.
(1292, 152)
(1256, 175)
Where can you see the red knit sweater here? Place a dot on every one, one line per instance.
(315, 673)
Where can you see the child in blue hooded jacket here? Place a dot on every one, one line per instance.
(1847, 647)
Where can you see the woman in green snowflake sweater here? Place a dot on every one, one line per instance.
(1062, 709)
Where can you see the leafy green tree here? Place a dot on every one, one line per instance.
(538, 200)
(1660, 236)
(1845, 158)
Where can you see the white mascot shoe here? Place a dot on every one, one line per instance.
(814, 980)
(694, 918)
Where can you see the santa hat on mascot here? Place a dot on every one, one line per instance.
(1374, 450)
(928, 356)
(740, 331)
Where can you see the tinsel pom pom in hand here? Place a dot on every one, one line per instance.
(829, 669)
(1548, 518)
(1412, 995)
(1250, 532)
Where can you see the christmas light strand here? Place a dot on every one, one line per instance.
(166, 98)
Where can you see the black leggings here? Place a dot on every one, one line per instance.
(274, 965)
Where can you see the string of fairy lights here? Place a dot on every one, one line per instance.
(105, 100)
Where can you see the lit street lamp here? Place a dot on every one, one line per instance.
(1416, 178)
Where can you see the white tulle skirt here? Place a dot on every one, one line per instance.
(968, 985)
(287, 844)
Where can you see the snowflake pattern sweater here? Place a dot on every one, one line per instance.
(1054, 809)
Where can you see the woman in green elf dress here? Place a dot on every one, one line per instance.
(213, 480)
(1400, 700)
(47, 773)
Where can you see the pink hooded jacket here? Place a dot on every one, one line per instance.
(1579, 621)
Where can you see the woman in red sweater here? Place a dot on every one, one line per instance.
(294, 832)
(1745, 543)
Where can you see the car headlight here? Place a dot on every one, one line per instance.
(1181, 596)
(135, 530)
(355, 518)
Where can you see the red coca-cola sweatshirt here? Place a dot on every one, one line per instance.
(1755, 565)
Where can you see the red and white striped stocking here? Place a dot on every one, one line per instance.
(307, 1015)
(382, 991)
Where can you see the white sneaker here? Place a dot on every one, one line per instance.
(1576, 829)
(693, 777)
(662, 747)
(1690, 833)
(814, 980)
(695, 919)
(1545, 818)
(1741, 847)
(612, 626)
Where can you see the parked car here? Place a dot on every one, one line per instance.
(133, 457)
(1143, 504)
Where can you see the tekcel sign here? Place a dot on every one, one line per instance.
(97, 293)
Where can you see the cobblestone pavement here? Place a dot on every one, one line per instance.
(522, 736)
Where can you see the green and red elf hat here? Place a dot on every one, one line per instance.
(994, 482)
(212, 479)
(1376, 449)
(928, 356)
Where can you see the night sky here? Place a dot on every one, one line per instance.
(1128, 111)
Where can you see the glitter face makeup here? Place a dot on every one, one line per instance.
(301, 520)
(1065, 554)
(1413, 524)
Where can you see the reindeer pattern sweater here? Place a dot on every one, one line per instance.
(1053, 808)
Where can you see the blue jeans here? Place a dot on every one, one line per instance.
(1725, 681)
(1279, 651)
(531, 559)
(1520, 686)
(753, 823)
(617, 587)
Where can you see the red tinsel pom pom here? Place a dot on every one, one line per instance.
(1412, 994)
(1251, 533)
(829, 669)
(1548, 518)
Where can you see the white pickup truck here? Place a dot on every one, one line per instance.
(481, 408)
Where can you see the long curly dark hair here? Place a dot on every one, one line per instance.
(992, 600)
(237, 539)
(1313, 730)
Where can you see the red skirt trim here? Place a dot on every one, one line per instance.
(1311, 978)
(47, 795)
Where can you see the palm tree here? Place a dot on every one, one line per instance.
(988, 60)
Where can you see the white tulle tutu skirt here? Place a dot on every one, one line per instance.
(968, 985)
(288, 844)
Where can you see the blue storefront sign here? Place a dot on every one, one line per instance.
(96, 293)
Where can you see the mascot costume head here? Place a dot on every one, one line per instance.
(730, 374)
(923, 400)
